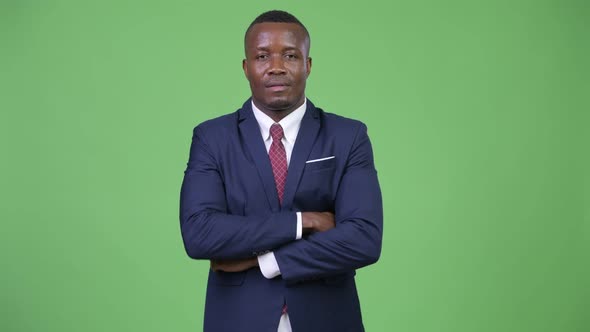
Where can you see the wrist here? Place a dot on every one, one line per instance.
(254, 262)
(307, 222)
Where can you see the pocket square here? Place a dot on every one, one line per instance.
(321, 159)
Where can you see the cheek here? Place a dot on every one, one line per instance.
(257, 78)
(255, 74)
(300, 77)
(298, 70)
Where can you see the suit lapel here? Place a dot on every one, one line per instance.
(250, 132)
(310, 125)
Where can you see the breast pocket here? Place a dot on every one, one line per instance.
(316, 190)
(320, 164)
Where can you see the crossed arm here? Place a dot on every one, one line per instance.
(340, 242)
(311, 222)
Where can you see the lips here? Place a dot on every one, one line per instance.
(276, 84)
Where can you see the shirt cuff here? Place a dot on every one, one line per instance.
(299, 226)
(268, 265)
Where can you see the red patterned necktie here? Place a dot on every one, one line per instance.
(278, 159)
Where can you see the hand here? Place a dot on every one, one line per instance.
(238, 265)
(317, 221)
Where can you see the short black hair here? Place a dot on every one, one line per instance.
(276, 16)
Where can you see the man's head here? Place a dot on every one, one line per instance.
(277, 62)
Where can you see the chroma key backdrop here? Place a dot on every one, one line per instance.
(477, 110)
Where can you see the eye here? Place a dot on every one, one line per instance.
(291, 56)
(261, 56)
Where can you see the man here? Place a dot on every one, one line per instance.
(282, 198)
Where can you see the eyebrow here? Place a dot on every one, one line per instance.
(265, 48)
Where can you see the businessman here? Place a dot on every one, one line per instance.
(281, 197)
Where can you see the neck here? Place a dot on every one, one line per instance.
(278, 114)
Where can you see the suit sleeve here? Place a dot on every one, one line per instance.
(208, 231)
(356, 240)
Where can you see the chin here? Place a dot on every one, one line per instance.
(279, 104)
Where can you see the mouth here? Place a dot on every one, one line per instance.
(277, 86)
(271, 84)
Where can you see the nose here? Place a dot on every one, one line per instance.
(276, 66)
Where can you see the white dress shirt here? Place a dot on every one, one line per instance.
(291, 124)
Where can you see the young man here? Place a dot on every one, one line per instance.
(282, 198)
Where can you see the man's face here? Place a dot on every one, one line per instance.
(277, 65)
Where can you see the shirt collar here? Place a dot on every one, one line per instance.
(290, 123)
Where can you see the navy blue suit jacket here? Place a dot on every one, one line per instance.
(229, 209)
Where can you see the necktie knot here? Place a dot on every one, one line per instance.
(276, 132)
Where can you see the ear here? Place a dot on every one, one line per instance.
(245, 68)
(308, 66)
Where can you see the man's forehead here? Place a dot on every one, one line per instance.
(272, 29)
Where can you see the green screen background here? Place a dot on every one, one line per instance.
(477, 111)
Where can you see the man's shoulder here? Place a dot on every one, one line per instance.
(341, 123)
(217, 128)
(218, 123)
